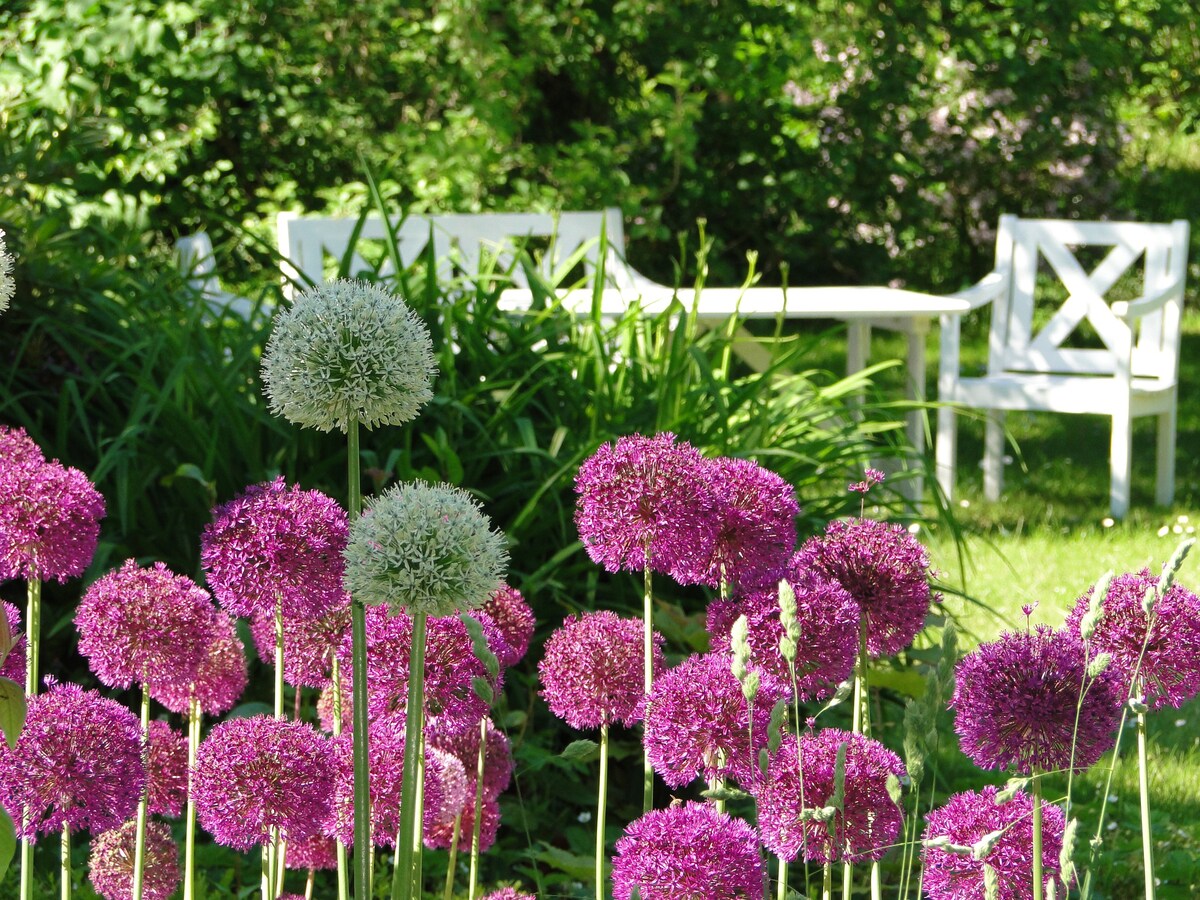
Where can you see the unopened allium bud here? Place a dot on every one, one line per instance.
(1098, 664)
(1171, 566)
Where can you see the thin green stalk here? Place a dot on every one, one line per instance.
(601, 810)
(358, 636)
(860, 724)
(477, 821)
(1039, 878)
(1144, 792)
(419, 805)
(343, 887)
(648, 666)
(410, 816)
(781, 886)
(65, 853)
(275, 856)
(189, 849)
(26, 860)
(33, 627)
(448, 891)
(827, 884)
(139, 847)
(266, 871)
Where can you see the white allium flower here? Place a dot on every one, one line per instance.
(7, 286)
(427, 548)
(348, 350)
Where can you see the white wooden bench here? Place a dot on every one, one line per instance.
(1130, 368)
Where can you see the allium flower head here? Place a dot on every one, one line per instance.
(508, 893)
(309, 645)
(514, 619)
(593, 669)
(348, 350)
(447, 788)
(220, 678)
(385, 746)
(1015, 702)
(49, 514)
(110, 864)
(698, 725)
(256, 773)
(425, 547)
(828, 619)
(166, 770)
(884, 568)
(755, 511)
(1170, 669)
(13, 665)
(869, 821)
(439, 837)
(686, 852)
(145, 626)
(7, 286)
(967, 818)
(463, 744)
(317, 851)
(77, 762)
(645, 496)
(276, 545)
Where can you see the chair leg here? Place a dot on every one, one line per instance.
(1121, 465)
(1164, 488)
(993, 454)
(946, 450)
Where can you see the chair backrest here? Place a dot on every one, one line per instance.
(1082, 334)
(194, 256)
(459, 242)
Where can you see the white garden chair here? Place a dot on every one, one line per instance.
(1129, 367)
(194, 256)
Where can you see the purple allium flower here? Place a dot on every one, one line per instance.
(1015, 702)
(220, 679)
(463, 743)
(13, 665)
(110, 865)
(967, 818)
(1170, 669)
(884, 568)
(828, 619)
(145, 626)
(166, 769)
(439, 837)
(276, 544)
(256, 773)
(870, 822)
(686, 852)
(385, 747)
(697, 722)
(309, 644)
(755, 511)
(316, 851)
(514, 619)
(508, 893)
(325, 703)
(645, 496)
(593, 670)
(872, 477)
(450, 666)
(447, 787)
(77, 762)
(49, 514)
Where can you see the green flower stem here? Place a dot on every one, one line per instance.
(860, 724)
(33, 625)
(1094, 845)
(274, 856)
(1144, 791)
(477, 823)
(448, 891)
(403, 887)
(26, 860)
(139, 847)
(66, 862)
(648, 656)
(601, 810)
(782, 884)
(827, 884)
(266, 871)
(189, 847)
(419, 806)
(1039, 878)
(358, 637)
(343, 887)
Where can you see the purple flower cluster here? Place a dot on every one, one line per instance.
(258, 773)
(220, 678)
(77, 762)
(1015, 701)
(276, 545)
(698, 723)
(145, 626)
(49, 514)
(1168, 673)
(514, 621)
(508, 893)
(309, 644)
(884, 568)
(166, 769)
(968, 818)
(110, 865)
(13, 665)
(385, 747)
(688, 851)
(463, 744)
(593, 670)
(802, 775)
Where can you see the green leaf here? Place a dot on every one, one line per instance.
(12, 710)
(581, 751)
(8, 842)
(582, 868)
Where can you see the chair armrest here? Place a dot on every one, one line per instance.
(1128, 310)
(984, 291)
